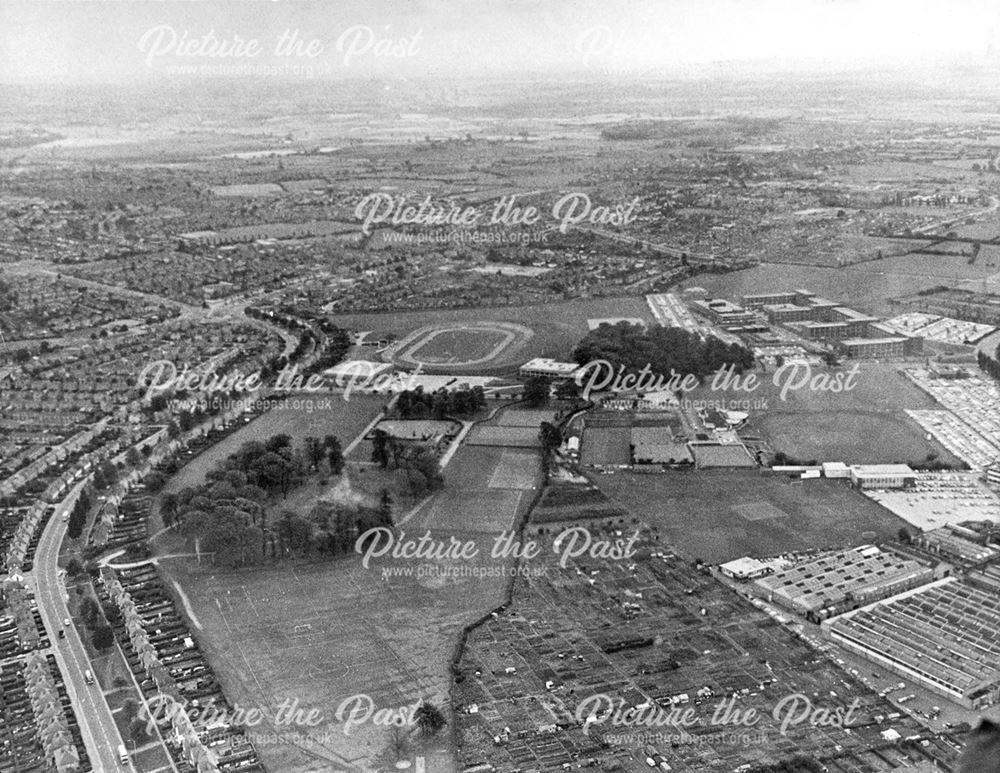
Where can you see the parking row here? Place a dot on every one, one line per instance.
(168, 665)
(38, 728)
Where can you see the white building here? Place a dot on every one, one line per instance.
(836, 470)
(542, 366)
(882, 476)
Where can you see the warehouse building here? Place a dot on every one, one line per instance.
(833, 584)
(954, 546)
(945, 635)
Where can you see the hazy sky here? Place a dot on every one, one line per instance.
(95, 40)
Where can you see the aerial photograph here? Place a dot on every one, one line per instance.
(499, 386)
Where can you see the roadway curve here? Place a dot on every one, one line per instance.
(97, 726)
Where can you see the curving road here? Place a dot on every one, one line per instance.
(97, 726)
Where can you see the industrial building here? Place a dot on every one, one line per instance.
(725, 313)
(856, 334)
(951, 544)
(748, 568)
(833, 584)
(945, 635)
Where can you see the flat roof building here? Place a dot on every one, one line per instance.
(835, 583)
(874, 348)
(945, 635)
(946, 543)
(882, 476)
(748, 568)
(543, 366)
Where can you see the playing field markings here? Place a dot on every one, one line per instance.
(250, 600)
(223, 616)
(514, 471)
(758, 511)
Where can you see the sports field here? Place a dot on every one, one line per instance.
(720, 515)
(460, 346)
(322, 632)
(866, 425)
(606, 446)
(466, 344)
(557, 327)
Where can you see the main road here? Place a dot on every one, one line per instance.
(97, 725)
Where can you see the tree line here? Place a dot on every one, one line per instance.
(418, 404)
(664, 349)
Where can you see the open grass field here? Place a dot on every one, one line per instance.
(525, 437)
(853, 438)
(721, 515)
(486, 490)
(556, 327)
(344, 419)
(606, 446)
(461, 345)
(318, 634)
(867, 425)
(322, 632)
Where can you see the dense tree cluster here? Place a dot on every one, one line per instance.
(536, 391)
(664, 349)
(990, 365)
(417, 404)
(78, 515)
(421, 467)
(228, 515)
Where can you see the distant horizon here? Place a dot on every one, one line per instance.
(53, 42)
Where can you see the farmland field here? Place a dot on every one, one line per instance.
(721, 515)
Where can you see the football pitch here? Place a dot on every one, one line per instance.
(720, 515)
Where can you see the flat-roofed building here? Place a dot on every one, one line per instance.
(874, 348)
(783, 313)
(761, 300)
(724, 312)
(835, 583)
(542, 366)
(822, 331)
(748, 568)
(883, 476)
(946, 543)
(835, 470)
(944, 635)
